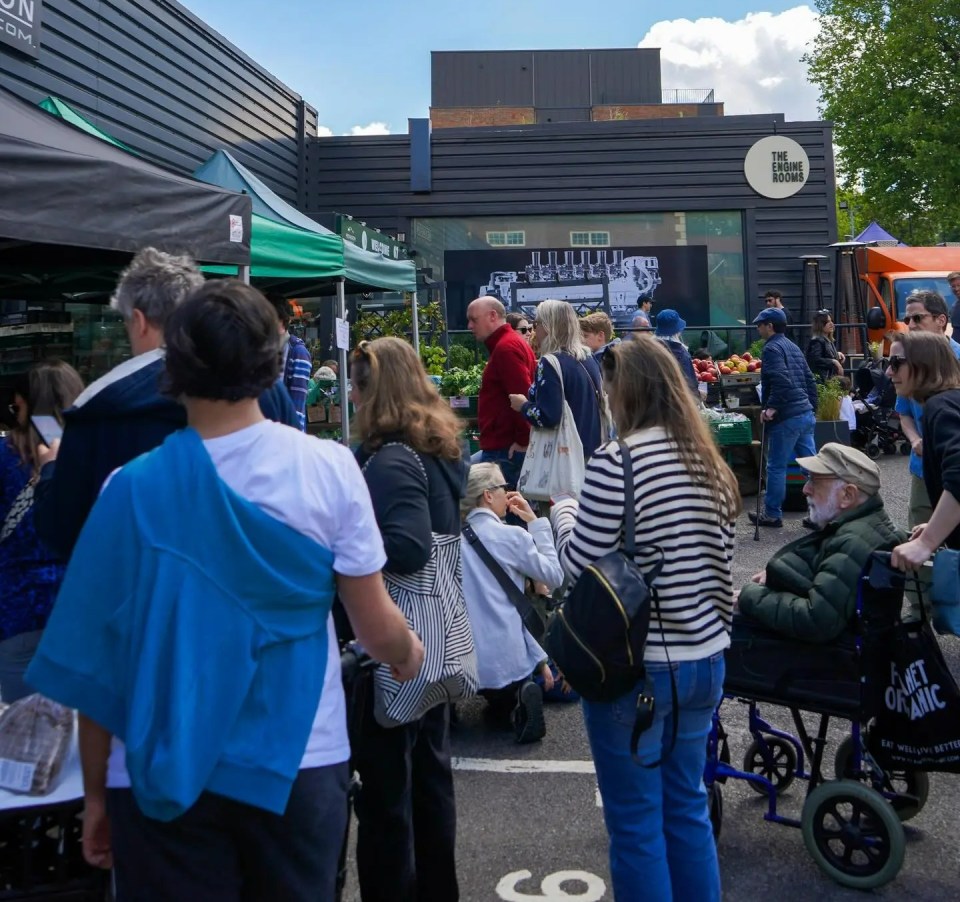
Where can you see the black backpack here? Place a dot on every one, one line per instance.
(597, 636)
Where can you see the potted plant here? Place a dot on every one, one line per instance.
(829, 426)
(462, 386)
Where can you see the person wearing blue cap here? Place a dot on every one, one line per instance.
(788, 397)
(669, 328)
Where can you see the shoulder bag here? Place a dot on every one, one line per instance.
(432, 601)
(554, 463)
(528, 613)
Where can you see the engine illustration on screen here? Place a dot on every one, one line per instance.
(615, 286)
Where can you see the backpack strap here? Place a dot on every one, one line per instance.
(527, 612)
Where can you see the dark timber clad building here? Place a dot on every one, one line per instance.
(538, 170)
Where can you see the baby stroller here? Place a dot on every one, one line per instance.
(851, 824)
(878, 424)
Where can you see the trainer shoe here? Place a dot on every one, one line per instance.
(807, 523)
(764, 520)
(528, 722)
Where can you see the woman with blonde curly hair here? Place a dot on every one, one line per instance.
(411, 457)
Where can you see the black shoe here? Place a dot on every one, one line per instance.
(528, 722)
(774, 522)
(807, 523)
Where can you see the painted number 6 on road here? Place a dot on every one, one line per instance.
(551, 887)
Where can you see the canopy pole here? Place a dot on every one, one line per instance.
(243, 273)
(415, 313)
(342, 375)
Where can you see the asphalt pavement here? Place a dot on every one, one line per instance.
(530, 825)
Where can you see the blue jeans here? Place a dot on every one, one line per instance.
(787, 440)
(661, 841)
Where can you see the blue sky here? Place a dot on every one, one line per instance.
(367, 65)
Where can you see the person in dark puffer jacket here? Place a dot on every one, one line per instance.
(808, 590)
(788, 396)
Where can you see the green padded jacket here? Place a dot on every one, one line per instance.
(811, 590)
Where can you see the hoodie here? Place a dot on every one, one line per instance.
(181, 636)
(408, 507)
(117, 418)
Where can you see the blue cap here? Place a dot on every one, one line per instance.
(771, 315)
(669, 323)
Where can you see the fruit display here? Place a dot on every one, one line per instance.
(742, 363)
(706, 370)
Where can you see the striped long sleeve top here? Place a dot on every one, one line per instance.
(674, 514)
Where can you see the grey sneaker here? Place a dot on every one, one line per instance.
(773, 522)
(528, 722)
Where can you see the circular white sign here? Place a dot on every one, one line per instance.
(776, 167)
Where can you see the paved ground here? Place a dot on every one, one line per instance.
(534, 809)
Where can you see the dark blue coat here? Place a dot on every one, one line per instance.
(786, 383)
(581, 385)
(123, 420)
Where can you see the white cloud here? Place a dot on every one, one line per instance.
(753, 64)
(324, 132)
(374, 128)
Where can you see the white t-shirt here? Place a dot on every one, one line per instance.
(315, 487)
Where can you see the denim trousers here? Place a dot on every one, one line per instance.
(661, 841)
(786, 440)
(510, 466)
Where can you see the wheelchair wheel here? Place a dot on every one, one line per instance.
(777, 762)
(910, 787)
(716, 809)
(872, 450)
(905, 449)
(853, 834)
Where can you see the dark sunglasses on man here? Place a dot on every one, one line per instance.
(916, 318)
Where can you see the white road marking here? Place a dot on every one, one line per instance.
(523, 766)
(551, 887)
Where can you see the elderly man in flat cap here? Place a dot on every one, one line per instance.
(808, 590)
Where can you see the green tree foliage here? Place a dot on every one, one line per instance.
(889, 78)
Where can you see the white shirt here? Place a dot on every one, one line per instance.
(506, 652)
(314, 486)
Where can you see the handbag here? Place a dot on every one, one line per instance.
(530, 616)
(432, 602)
(945, 591)
(554, 462)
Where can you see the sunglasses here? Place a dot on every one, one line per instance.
(525, 329)
(896, 362)
(492, 488)
(916, 318)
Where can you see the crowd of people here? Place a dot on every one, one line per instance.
(184, 566)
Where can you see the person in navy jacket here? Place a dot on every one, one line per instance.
(788, 396)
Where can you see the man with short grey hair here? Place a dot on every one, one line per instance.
(125, 413)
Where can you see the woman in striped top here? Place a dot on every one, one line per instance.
(661, 845)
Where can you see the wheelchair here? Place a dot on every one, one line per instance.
(851, 824)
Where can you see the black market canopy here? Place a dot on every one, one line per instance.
(73, 208)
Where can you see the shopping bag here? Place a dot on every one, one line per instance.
(917, 726)
(945, 591)
(554, 463)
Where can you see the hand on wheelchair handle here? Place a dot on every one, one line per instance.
(911, 555)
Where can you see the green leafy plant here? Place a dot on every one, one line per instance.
(434, 358)
(829, 396)
(756, 349)
(458, 382)
(461, 356)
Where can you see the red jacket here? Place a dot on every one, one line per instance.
(509, 371)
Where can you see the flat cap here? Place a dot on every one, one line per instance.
(845, 463)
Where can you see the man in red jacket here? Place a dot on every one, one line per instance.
(504, 433)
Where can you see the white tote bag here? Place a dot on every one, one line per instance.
(554, 463)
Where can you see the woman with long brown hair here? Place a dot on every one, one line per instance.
(923, 367)
(823, 358)
(686, 498)
(29, 574)
(411, 456)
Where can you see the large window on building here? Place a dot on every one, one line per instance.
(690, 261)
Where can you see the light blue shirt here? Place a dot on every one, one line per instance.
(914, 410)
(506, 652)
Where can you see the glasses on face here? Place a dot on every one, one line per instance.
(896, 362)
(916, 318)
(493, 488)
(821, 477)
(525, 329)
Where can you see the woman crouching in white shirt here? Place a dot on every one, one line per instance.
(507, 654)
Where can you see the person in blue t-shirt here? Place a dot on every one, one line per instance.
(926, 311)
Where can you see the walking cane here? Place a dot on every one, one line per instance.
(760, 479)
